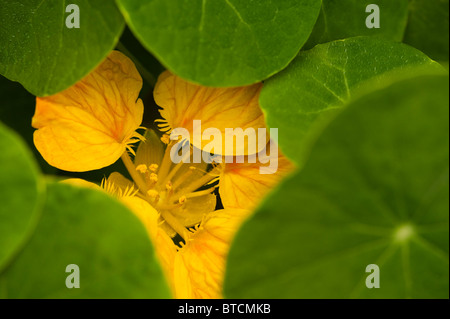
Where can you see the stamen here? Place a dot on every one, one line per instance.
(182, 199)
(176, 169)
(153, 178)
(165, 139)
(153, 167)
(153, 194)
(166, 163)
(202, 193)
(134, 174)
(206, 179)
(142, 168)
(169, 186)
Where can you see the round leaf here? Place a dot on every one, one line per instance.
(428, 28)
(222, 43)
(347, 18)
(323, 79)
(93, 231)
(38, 50)
(374, 191)
(20, 190)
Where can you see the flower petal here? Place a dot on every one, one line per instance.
(183, 102)
(119, 185)
(150, 151)
(88, 126)
(81, 183)
(200, 265)
(244, 186)
(192, 212)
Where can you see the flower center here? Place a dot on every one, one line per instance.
(170, 187)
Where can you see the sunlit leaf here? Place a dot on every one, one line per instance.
(321, 80)
(20, 189)
(374, 191)
(38, 50)
(91, 230)
(222, 43)
(340, 19)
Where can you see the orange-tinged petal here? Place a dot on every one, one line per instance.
(244, 186)
(89, 125)
(200, 265)
(183, 102)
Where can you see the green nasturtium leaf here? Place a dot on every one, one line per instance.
(323, 79)
(341, 19)
(222, 42)
(20, 190)
(428, 28)
(374, 191)
(93, 231)
(38, 50)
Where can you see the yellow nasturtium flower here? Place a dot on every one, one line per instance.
(89, 125)
(184, 102)
(93, 123)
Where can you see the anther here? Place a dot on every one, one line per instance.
(169, 186)
(182, 199)
(165, 138)
(153, 178)
(142, 168)
(153, 167)
(153, 194)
